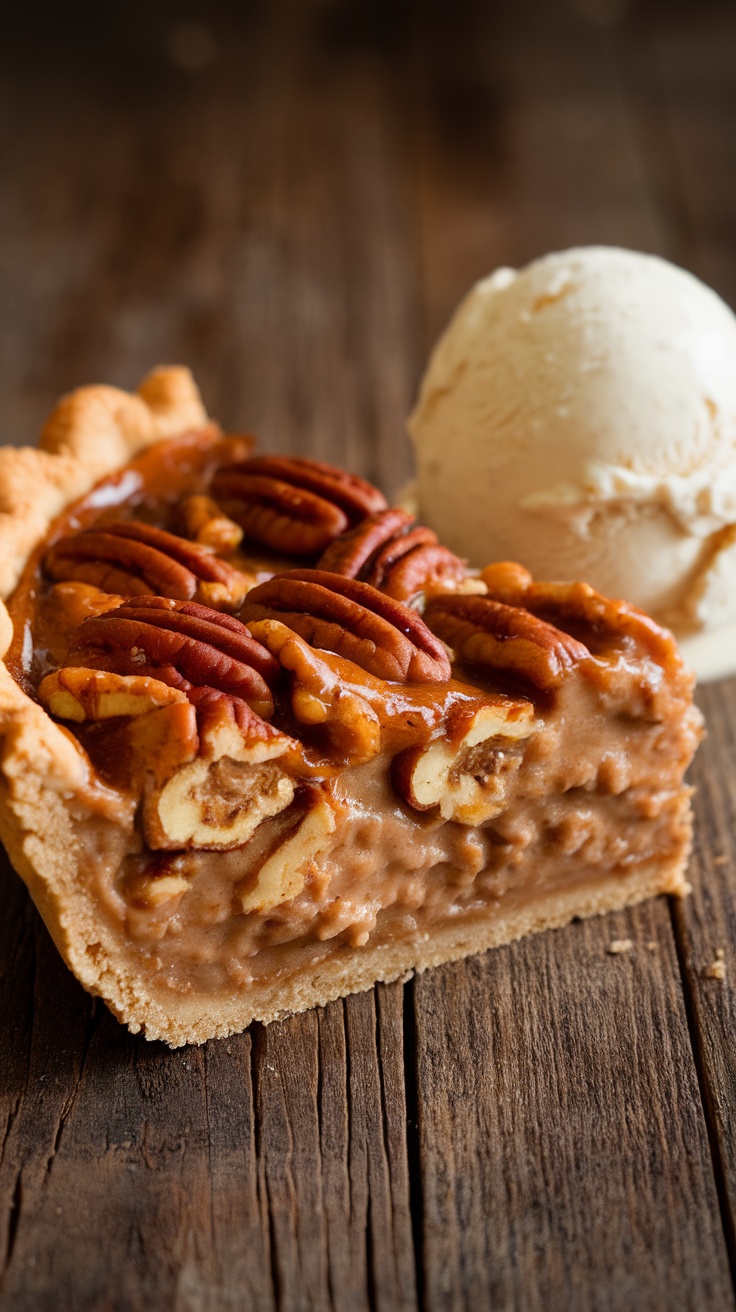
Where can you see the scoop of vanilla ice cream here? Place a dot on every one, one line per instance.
(579, 416)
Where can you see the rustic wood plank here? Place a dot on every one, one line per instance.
(267, 219)
(128, 1172)
(224, 223)
(332, 1155)
(565, 1158)
(526, 144)
(686, 99)
(132, 1172)
(706, 932)
(693, 54)
(565, 145)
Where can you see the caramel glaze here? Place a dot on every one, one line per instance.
(148, 489)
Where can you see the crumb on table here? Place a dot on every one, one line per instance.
(620, 945)
(717, 967)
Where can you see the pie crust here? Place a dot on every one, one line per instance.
(445, 854)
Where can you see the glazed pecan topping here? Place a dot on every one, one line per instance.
(600, 622)
(386, 551)
(182, 644)
(466, 770)
(205, 524)
(354, 620)
(292, 505)
(236, 779)
(137, 559)
(486, 632)
(351, 553)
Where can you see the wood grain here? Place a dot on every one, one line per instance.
(705, 927)
(568, 1158)
(547, 1126)
(268, 1170)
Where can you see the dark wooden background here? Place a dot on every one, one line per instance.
(291, 197)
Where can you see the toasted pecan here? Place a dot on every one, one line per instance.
(178, 692)
(354, 620)
(137, 559)
(352, 551)
(421, 567)
(236, 780)
(355, 495)
(465, 770)
(489, 633)
(388, 551)
(602, 623)
(292, 505)
(182, 643)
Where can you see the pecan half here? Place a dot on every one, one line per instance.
(500, 637)
(205, 764)
(602, 623)
(354, 620)
(351, 553)
(183, 644)
(466, 770)
(386, 551)
(137, 559)
(295, 506)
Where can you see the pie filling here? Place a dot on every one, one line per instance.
(310, 730)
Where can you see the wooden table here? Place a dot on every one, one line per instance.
(291, 198)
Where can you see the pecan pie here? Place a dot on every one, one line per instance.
(266, 741)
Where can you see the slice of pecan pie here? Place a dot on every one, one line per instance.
(265, 741)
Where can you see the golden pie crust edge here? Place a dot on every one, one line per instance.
(92, 432)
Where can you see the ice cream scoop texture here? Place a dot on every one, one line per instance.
(580, 416)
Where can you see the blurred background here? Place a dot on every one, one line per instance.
(291, 196)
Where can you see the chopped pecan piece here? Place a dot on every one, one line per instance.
(181, 643)
(320, 700)
(78, 694)
(205, 523)
(60, 611)
(283, 874)
(386, 551)
(295, 506)
(486, 632)
(153, 890)
(217, 800)
(466, 771)
(136, 559)
(354, 620)
(507, 580)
